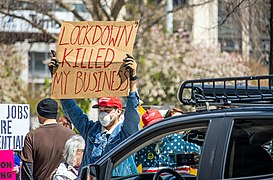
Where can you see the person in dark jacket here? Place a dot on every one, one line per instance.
(103, 135)
(43, 147)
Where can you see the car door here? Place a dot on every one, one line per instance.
(177, 147)
(246, 150)
(112, 165)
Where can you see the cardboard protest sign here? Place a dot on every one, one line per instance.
(14, 125)
(6, 165)
(90, 55)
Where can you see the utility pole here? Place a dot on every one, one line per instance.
(169, 17)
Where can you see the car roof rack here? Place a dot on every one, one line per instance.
(230, 91)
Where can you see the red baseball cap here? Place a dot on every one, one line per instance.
(109, 102)
(151, 116)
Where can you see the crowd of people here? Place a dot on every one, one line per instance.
(43, 147)
(55, 151)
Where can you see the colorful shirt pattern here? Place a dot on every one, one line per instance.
(159, 154)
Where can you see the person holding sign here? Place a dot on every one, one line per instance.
(103, 135)
(43, 147)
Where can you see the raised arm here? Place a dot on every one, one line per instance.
(132, 115)
(70, 107)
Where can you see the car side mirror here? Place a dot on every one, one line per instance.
(90, 172)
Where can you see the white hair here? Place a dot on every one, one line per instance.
(70, 149)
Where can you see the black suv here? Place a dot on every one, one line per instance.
(228, 137)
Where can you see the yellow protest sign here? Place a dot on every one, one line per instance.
(90, 55)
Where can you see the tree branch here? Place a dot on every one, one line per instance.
(53, 17)
(175, 10)
(71, 9)
(95, 9)
(89, 7)
(108, 17)
(116, 8)
(35, 25)
(237, 8)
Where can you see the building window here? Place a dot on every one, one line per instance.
(38, 69)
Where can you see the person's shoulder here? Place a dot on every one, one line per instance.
(31, 133)
(54, 128)
(59, 172)
(42, 128)
(63, 172)
(65, 129)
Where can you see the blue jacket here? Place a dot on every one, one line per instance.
(98, 144)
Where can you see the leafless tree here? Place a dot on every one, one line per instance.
(164, 60)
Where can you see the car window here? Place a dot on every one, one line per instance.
(250, 149)
(179, 151)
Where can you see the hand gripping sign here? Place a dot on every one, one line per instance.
(90, 55)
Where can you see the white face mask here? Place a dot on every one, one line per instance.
(105, 118)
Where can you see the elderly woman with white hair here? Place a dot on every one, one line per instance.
(73, 152)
